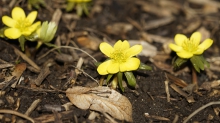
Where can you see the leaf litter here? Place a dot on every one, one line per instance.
(102, 99)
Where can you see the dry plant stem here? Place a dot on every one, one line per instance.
(167, 90)
(6, 65)
(194, 78)
(17, 114)
(32, 107)
(109, 118)
(43, 74)
(175, 120)
(48, 118)
(156, 117)
(67, 47)
(87, 75)
(101, 81)
(181, 92)
(23, 56)
(200, 109)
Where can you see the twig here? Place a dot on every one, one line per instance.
(43, 74)
(18, 114)
(175, 119)
(68, 47)
(23, 56)
(200, 109)
(32, 107)
(181, 92)
(6, 65)
(86, 74)
(167, 90)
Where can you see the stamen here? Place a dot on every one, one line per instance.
(189, 45)
(22, 24)
(118, 56)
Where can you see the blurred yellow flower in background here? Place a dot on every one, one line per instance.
(121, 57)
(187, 47)
(19, 24)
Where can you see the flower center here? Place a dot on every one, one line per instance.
(118, 56)
(22, 24)
(189, 46)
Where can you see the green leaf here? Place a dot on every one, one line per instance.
(143, 66)
(119, 76)
(32, 37)
(97, 63)
(130, 78)
(109, 77)
(70, 6)
(198, 62)
(179, 62)
(79, 9)
(85, 8)
(22, 42)
(2, 30)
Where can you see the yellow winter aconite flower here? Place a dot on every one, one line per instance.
(19, 24)
(187, 47)
(121, 57)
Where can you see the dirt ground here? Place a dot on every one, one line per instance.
(160, 95)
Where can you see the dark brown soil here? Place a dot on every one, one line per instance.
(149, 96)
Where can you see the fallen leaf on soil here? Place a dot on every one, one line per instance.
(102, 99)
(209, 85)
(148, 49)
(209, 6)
(89, 42)
(119, 28)
(16, 74)
(160, 8)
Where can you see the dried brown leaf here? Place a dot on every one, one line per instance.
(119, 28)
(102, 99)
(90, 42)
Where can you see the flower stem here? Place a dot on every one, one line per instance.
(101, 80)
(194, 77)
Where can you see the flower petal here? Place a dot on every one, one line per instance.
(113, 67)
(32, 16)
(12, 33)
(18, 13)
(198, 51)
(206, 44)
(175, 47)
(130, 64)
(106, 48)
(118, 44)
(31, 29)
(184, 54)
(102, 68)
(196, 38)
(179, 39)
(134, 50)
(8, 21)
(122, 45)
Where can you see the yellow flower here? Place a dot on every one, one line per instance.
(79, 1)
(19, 24)
(121, 57)
(187, 47)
